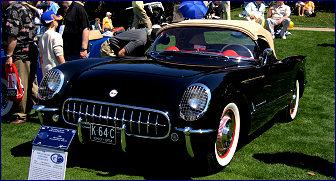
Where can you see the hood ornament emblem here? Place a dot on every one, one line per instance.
(113, 93)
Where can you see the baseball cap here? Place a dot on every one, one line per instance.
(49, 16)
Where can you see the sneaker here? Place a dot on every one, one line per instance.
(288, 33)
(283, 37)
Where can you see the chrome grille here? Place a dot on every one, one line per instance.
(139, 122)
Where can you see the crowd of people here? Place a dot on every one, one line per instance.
(277, 16)
(64, 35)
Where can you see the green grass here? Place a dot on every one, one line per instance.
(282, 151)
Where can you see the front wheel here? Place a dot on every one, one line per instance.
(226, 139)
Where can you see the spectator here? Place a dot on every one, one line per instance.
(107, 22)
(97, 25)
(52, 6)
(140, 15)
(227, 12)
(39, 11)
(215, 10)
(51, 43)
(278, 14)
(20, 32)
(255, 11)
(132, 42)
(75, 30)
(300, 7)
(309, 8)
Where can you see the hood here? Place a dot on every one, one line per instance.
(141, 83)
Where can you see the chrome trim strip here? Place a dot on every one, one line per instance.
(115, 116)
(43, 108)
(196, 131)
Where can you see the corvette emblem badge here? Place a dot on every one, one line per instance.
(113, 93)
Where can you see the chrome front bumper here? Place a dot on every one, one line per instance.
(187, 131)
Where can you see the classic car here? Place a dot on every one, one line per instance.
(203, 84)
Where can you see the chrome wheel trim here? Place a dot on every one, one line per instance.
(228, 135)
(6, 105)
(294, 104)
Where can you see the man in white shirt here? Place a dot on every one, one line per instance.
(278, 14)
(255, 11)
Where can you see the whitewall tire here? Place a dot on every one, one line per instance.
(227, 134)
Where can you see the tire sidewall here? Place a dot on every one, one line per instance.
(292, 114)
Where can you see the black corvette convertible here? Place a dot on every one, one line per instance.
(204, 84)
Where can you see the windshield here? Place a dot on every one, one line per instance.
(210, 41)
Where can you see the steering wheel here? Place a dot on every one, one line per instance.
(234, 44)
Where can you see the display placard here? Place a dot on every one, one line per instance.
(54, 137)
(47, 164)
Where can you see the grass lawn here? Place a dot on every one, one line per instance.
(300, 150)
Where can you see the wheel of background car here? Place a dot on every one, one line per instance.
(294, 103)
(236, 44)
(227, 135)
(6, 105)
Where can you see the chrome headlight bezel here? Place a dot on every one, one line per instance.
(195, 102)
(51, 84)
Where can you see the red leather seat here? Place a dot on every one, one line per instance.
(173, 48)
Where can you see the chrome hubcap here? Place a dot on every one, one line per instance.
(225, 134)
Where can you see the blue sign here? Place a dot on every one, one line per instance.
(54, 137)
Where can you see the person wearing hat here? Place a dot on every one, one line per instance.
(51, 43)
(107, 22)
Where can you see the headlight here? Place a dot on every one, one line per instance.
(195, 102)
(51, 84)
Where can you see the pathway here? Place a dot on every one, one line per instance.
(314, 29)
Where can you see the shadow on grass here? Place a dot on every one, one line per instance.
(145, 162)
(313, 163)
(326, 45)
(23, 150)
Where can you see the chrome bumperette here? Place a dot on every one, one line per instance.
(129, 120)
(187, 132)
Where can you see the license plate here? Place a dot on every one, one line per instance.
(102, 133)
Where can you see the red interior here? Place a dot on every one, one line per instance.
(230, 53)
